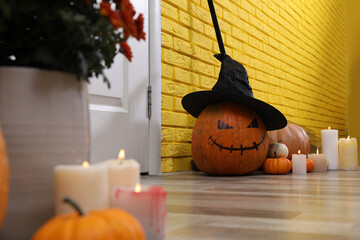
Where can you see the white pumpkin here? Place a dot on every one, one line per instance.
(278, 149)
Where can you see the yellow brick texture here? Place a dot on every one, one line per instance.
(294, 52)
(353, 36)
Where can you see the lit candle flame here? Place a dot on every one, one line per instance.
(299, 152)
(137, 188)
(317, 150)
(85, 164)
(329, 128)
(121, 155)
(348, 138)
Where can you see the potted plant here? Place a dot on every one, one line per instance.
(78, 37)
(48, 51)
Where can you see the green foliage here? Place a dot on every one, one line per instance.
(62, 35)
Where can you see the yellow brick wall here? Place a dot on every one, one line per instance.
(294, 52)
(353, 37)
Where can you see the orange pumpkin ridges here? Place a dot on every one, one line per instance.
(108, 223)
(277, 165)
(229, 139)
(293, 136)
(4, 178)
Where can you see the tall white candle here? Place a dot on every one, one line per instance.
(329, 146)
(299, 164)
(147, 205)
(348, 154)
(121, 172)
(88, 186)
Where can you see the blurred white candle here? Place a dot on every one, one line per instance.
(320, 161)
(299, 164)
(86, 185)
(348, 154)
(147, 204)
(329, 146)
(121, 172)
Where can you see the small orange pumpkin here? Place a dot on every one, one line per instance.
(229, 139)
(276, 165)
(108, 223)
(309, 165)
(4, 178)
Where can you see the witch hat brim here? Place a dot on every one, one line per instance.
(233, 85)
(196, 102)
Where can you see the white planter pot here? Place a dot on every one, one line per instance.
(45, 120)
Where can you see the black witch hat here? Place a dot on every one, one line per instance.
(232, 85)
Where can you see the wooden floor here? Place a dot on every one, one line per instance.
(258, 206)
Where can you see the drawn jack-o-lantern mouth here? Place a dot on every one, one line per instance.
(221, 125)
(232, 148)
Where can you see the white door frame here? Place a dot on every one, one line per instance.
(155, 83)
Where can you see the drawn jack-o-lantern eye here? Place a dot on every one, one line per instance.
(223, 125)
(253, 124)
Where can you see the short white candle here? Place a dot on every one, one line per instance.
(329, 146)
(348, 154)
(124, 173)
(320, 161)
(148, 205)
(121, 172)
(299, 164)
(86, 185)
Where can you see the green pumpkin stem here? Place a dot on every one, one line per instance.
(74, 205)
(275, 154)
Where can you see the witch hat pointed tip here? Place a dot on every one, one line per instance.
(220, 56)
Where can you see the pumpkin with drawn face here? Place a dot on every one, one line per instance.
(229, 139)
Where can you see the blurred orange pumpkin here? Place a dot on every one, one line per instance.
(108, 223)
(275, 165)
(309, 165)
(4, 178)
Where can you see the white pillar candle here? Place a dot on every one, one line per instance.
(320, 161)
(299, 164)
(125, 173)
(348, 154)
(122, 173)
(329, 146)
(88, 186)
(147, 205)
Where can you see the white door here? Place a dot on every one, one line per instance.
(119, 116)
